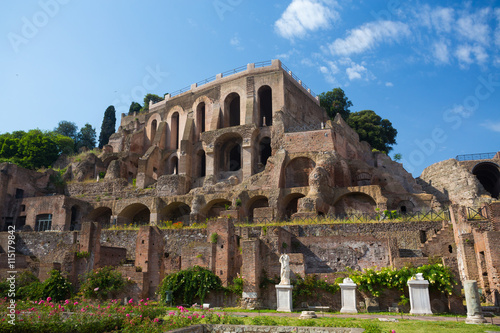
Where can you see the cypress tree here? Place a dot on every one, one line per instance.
(108, 126)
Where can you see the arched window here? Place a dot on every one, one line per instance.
(200, 119)
(232, 109)
(154, 125)
(174, 131)
(265, 106)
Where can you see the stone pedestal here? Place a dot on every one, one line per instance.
(419, 295)
(348, 289)
(284, 297)
(474, 311)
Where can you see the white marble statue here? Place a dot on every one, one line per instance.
(285, 269)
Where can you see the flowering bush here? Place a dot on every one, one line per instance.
(102, 283)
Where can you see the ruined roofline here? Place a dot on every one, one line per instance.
(252, 68)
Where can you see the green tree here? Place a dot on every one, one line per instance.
(66, 145)
(108, 126)
(334, 102)
(86, 137)
(371, 128)
(9, 146)
(38, 149)
(67, 128)
(397, 157)
(150, 97)
(134, 107)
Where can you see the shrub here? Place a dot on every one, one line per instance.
(57, 286)
(213, 238)
(188, 284)
(237, 286)
(102, 283)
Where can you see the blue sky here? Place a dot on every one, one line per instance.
(431, 67)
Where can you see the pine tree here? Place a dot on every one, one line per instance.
(108, 126)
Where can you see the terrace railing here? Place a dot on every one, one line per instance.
(472, 157)
(239, 70)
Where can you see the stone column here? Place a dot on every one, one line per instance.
(419, 295)
(348, 289)
(474, 311)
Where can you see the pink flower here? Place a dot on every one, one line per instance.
(76, 303)
(66, 301)
(145, 303)
(49, 299)
(131, 301)
(96, 289)
(147, 299)
(156, 320)
(41, 301)
(140, 316)
(128, 315)
(202, 316)
(189, 317)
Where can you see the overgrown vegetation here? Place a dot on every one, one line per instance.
(373, 282)
(103, 283)
(189, 284)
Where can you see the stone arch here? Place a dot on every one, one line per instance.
(363, 179)
(232, 110)
(228, 154)
(176, 212)
(297, 172)
(152, 126)
(488, 175)
(265, 105)
(202, 115)
(258, 201)
(136, 213)
(172, 165)
(355, 202)
(213, 208)
(291, 204)
(174, 130)
(101, 215)
(405, 207)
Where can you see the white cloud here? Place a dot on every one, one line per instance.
(440, 52)
(287, 55)
(329, 72)
(441, 19)
(368, 36)
(355, 71)
(303, 16)
(474, 27)
(468, 54)
(495, 127)
(235, 41)
(389, 84)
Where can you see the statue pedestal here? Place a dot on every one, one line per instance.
(284, 297)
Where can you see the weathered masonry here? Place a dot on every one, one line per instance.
(250, 144)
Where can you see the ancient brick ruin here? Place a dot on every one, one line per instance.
(252, 145)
